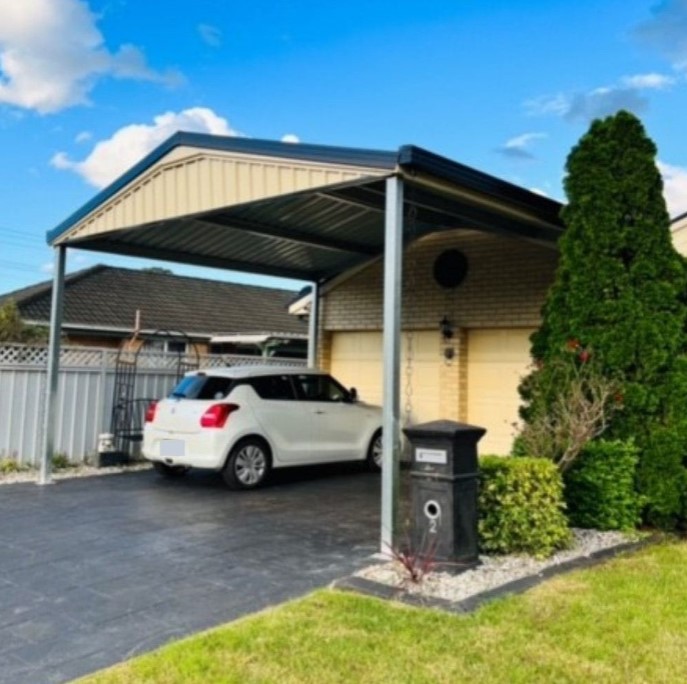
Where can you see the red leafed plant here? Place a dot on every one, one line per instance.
(415, 563)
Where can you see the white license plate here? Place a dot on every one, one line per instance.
(172, 448)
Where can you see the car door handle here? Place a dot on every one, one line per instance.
(319, 412)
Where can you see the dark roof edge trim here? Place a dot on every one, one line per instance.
(267, 148)
(679, 217)
(415, 158)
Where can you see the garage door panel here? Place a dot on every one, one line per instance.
(497, 362)
(357, 361)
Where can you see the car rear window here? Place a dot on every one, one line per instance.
(203, 387)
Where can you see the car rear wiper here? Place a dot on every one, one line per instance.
(178, 395)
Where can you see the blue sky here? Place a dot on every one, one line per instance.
(89, 86)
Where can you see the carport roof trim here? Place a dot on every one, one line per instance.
(408, 157)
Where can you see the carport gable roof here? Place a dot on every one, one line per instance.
(302, 211)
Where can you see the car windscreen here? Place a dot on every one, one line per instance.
(202, 387)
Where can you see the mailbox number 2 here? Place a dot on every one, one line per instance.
(432, 511)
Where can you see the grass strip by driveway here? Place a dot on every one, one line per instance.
(620, 622)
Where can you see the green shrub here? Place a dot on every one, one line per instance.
(521, 506)
(11, 465)
(661, 477)
(600, 490)
(61, 462)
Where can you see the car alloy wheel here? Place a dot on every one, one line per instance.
(248, 465)
(375, 451)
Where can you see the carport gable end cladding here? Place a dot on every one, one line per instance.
(320, 214)
(244, 421)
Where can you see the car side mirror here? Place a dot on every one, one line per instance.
(353, 395)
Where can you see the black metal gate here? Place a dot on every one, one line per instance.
(128, 410)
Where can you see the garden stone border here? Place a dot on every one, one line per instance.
(387, 592)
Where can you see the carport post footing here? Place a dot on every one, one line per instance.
(391, 424)
(45, 474)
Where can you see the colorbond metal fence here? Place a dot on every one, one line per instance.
(85, 389)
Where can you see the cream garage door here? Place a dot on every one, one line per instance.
(497, 360)
(357, 362)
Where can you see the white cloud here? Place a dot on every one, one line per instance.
(651, 81)
(548, 104)
(52, 54)
(518, 147)
(112, 157)
(210, 34)
(584, 106)
(290, 138)
(84, 136)
(666, 31)
(674, 187)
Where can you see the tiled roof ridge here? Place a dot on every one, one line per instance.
(146, 272)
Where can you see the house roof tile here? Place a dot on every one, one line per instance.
(107, 297)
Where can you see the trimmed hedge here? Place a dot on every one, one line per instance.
(662, 477)
(600, 489)
(521, 506)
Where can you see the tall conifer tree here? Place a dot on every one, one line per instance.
(619, 293)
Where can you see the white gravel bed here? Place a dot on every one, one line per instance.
(68, 473)
(494, 571)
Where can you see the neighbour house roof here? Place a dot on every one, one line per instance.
(303, 211)
(105, 298)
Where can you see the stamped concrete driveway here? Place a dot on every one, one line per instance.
(96, 570)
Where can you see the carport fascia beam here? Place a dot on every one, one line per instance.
(391, 412)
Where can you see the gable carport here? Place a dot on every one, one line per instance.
(299, 211)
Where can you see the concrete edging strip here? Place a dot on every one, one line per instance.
(471, 603)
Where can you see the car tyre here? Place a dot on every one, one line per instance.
(170, 470)
(374, 452)
(248, 465)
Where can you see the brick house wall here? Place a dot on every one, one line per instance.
(505, 288)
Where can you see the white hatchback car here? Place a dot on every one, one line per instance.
(246, 420)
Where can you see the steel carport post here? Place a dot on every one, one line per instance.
(313, 324)
(45, 475)
(391, 413)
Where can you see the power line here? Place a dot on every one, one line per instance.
(14, 266)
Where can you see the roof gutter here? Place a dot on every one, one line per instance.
(442, 174)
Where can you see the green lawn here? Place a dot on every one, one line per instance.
(625, 621)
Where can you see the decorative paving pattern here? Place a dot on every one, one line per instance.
(96, 570)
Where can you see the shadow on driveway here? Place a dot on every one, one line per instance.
(96, 570)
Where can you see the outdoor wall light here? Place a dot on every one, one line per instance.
(446, 328)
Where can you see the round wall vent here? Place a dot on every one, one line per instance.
(450, 268)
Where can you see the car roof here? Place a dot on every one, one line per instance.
(253, 371)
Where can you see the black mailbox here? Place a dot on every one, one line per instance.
(444, 478)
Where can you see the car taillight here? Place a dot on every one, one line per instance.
(150, 412)
(216, 416)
